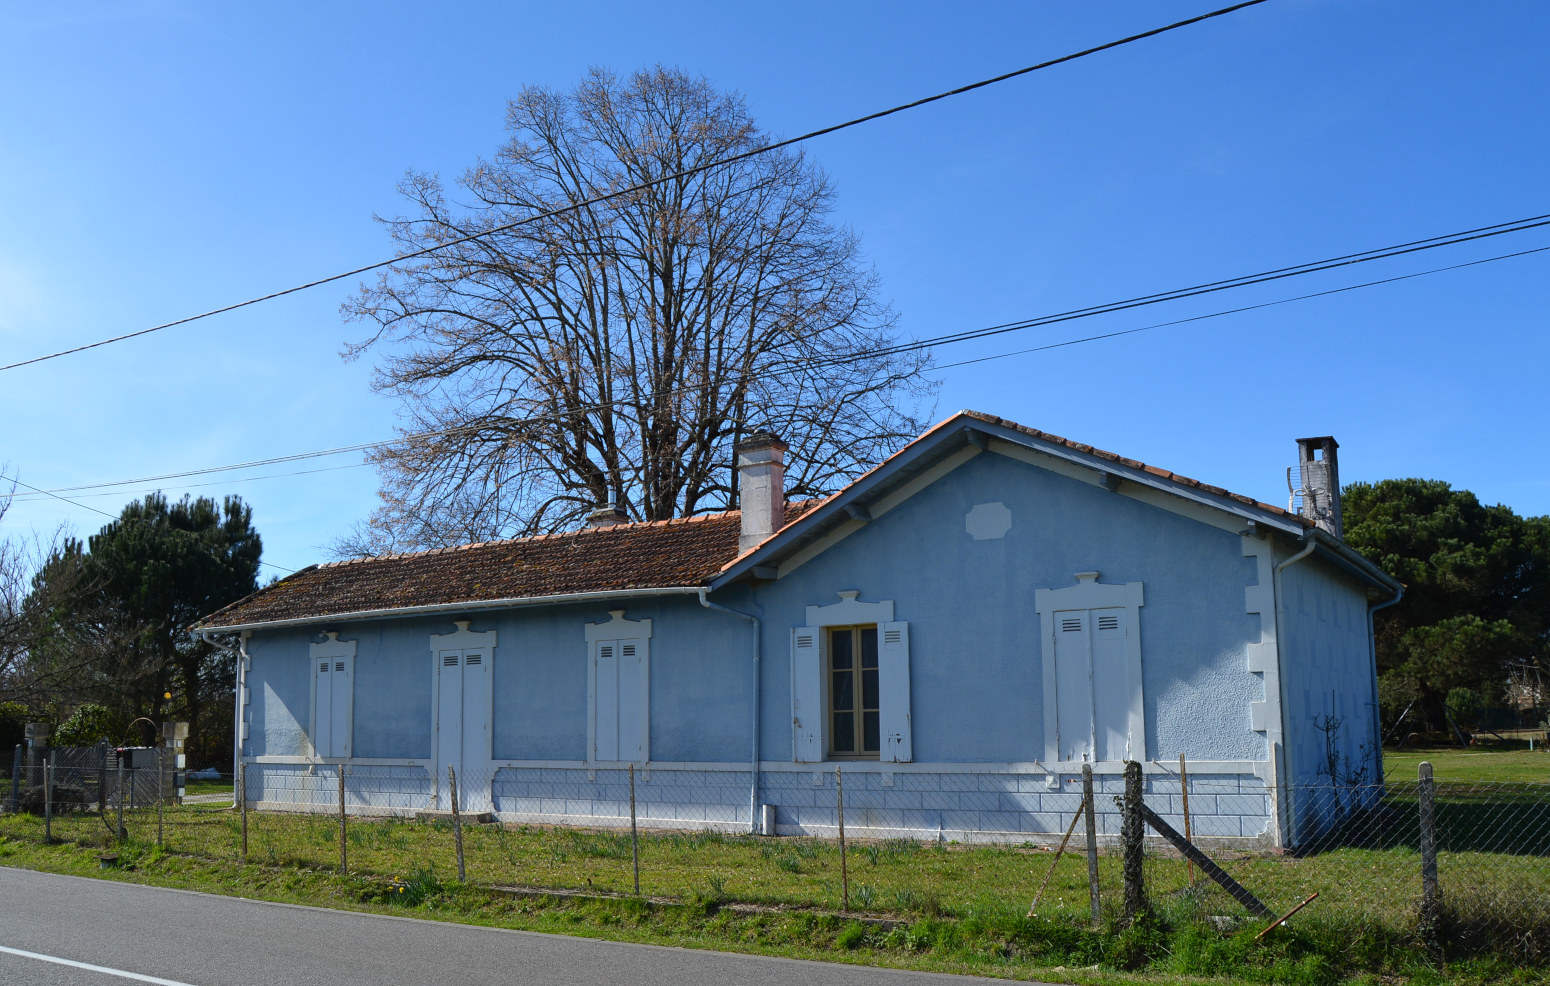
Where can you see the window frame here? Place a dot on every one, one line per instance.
(857, 670)
(335, 651)
(1089, 594)
(619, 631)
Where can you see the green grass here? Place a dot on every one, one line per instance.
(208, 787)
(1481, 765)
(959, 908)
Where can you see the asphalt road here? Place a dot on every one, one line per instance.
(65, 925)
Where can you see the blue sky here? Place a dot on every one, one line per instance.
(159, 159)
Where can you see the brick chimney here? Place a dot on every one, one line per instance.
(607, 515)
(761, 482)
(1320, 472)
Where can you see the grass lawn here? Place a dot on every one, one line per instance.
(948, 907)
(223, 786)
(1477, 764)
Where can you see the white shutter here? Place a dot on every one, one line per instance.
(893, 687)
(633, 698)
(341, 700)
(1073, 686)
(806, 695)
(323, 708)
(1111, 686)
(605, 742)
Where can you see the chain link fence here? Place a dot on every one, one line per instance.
(1455, 866)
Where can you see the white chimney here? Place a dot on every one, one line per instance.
(761, 483)
(607, 515)
(1320, 472)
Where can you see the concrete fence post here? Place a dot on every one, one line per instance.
(48, 801)
(123, 833)
(1430, 923)
(242, 804)
(16, 779)
(160, 795)
(1132, 830)
(1092, 844)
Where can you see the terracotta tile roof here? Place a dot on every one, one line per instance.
(650, 555)
(653, 555)
(1172, 477)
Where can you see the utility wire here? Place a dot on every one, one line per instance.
(1411, 247)
(87, 506)
(29, 497)
(688, 172)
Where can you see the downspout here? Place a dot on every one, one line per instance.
(753, 762)
(1285, 818)
(1372, 650)
(242, 660)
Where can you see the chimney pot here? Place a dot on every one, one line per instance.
(607, 515)
(761, 469)
(1320, 471)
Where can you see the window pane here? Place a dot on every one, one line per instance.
(869, 647)
(841, 644)
(870, 726)
(844, 732)
(843, 691)
(869, 689)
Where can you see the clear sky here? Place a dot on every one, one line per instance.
(159, 159)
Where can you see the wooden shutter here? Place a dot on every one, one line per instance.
(323, 707)
(1073, 686)
(1111, 685)
(605, 739)
(806, 695)
(893, 687)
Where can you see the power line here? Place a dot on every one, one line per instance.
(952, 338)
(30, 497)
(87, 506)
(595, 200)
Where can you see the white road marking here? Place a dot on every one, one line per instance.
(136, 976)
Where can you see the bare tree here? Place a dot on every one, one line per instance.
(615, 353)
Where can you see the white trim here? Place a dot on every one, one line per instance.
(849, 610)
(462, 640)
(1163, 767)
(618, 628)
(352, 761)
(1263, 656)
(394, 612)
(1090, 594)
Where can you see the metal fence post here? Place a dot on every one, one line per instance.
(102, 780)
(344, 852)
(839, 798)
(122, 832)
(160, 794)
(16, 779)
(1431, 894)
(634, 833)
(1092, 844)
(48, 801)
(1132, 830)
(242, 801)
(457, 822)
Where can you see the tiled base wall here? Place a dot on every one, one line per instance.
(916, 804)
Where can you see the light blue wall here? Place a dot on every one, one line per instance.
(976, 666)
(1327, 671)
(975, 655)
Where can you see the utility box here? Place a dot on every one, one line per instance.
(173, 737)
(36, 734)
(137, 757)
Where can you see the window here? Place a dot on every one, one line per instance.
(1093, 707)
(850, 670)
(855, 727)
(618, 690)
(333, 694)
(463, 711)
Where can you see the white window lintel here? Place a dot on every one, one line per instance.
(618, 628)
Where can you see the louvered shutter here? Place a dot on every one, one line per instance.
(323, 709)
(1111, 686)
(605, 741)
(893, 686)
(1073, 686)
(806, 695)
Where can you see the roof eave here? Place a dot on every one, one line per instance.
(475, 605)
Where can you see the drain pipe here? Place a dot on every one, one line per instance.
(753, 762)
(1372, 651)
(1284, 798)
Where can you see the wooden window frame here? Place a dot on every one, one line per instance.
(858, 729)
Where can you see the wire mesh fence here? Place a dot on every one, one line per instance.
(1454, 865)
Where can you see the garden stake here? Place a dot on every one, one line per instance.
(344, 857)
(1184, 792)
(457, 822)
(839, 798)
(1282, 919)
(1058, 853)
(634, 833)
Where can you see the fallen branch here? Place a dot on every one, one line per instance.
(1206, 864)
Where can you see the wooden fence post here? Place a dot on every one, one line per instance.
(839, 798)
(634, 834)
(1090, 810)
(1431, 893)
(457, 822)
(1132, 830)
(344, 852)
(1184, 794)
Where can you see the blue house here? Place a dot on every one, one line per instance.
(961, 629)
